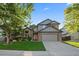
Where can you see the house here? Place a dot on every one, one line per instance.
(64, 32)
(65, 35)
(73, 36)
(46, 30)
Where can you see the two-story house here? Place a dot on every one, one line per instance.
(47, 30)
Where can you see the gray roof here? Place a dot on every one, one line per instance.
(49, 22)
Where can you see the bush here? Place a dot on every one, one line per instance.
(24, 38)
(29, 38)
(66, 38)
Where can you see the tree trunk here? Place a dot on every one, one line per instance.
(7, 38)
(10, 36)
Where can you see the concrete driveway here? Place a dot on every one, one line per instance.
(52, 49)
(60, 49)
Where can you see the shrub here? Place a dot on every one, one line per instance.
(66, 38)
(29, 38)
(24, 38)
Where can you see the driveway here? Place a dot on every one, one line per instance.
(52, 49)
(60, 49)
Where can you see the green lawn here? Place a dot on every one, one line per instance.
(75, 44)
(25, 45)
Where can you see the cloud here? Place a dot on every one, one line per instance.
(45, 9)
(68, 4)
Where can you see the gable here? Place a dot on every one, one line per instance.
(55, 22)
(49, 29)
(35, 29)
(28, 29)
(45, 21)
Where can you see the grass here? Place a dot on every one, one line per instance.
(75, 44)
(24, 45)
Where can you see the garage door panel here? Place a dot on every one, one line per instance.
(49, 37)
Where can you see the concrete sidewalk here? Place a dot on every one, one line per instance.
(22, 53)
(11, 53)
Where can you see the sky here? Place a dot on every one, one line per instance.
(53, 11)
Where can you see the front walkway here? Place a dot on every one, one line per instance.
(53, 49)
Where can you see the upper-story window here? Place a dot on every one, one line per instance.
(44, 26)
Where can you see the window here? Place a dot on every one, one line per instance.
(44, 26)
(26, 31)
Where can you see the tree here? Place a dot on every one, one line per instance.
(72, 18)
(13, 16)
(33, 26)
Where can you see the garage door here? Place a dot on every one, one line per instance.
(49, 37)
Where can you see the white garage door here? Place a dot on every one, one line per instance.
(49, 37)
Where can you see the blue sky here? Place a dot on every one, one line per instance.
(53, 11)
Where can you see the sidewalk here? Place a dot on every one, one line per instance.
(22, 53)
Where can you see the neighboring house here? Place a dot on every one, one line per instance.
(74, 36)
(64, 32)
(65, 35)
(46, 30)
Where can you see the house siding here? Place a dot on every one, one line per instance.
(56, 25)
(40, 27)
(49, 29)
(75, 36)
